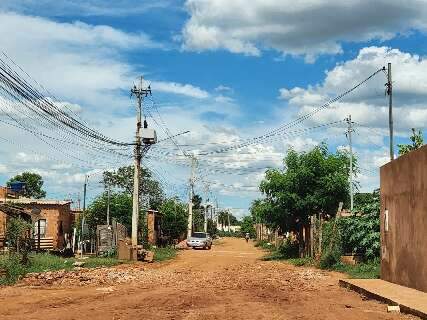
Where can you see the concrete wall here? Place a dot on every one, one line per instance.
(404, 201)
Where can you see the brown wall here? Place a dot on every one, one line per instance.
(54, 215)
(404, 245)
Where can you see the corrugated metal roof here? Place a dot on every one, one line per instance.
(38, 201)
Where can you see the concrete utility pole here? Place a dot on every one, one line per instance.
(349, 131)
(228, 217)
(108, 204)
(205, 224)
(140, 93)
(83, 213)
(190, 198)
(390, 109)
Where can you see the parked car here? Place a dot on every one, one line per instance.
(200, 240)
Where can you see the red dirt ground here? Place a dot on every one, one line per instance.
(227, 282)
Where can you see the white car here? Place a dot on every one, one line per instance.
(200, 240)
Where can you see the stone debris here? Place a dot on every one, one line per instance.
(79, 264)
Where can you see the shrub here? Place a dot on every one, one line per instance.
(289, 249)
(12, 267)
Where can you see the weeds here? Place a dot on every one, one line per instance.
(162, 254)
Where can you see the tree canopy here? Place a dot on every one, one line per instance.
(120, 209)
(174, 219)
(312, 182)
(33, 184)
(123, 179)
(417, 142)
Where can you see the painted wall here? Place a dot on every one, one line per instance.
(404, 220)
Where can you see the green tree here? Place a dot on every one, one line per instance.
(174, 218)
(120, 209)
(247, 226)
(417, 142)
(123, 179)
(33, 184)
(313, 182)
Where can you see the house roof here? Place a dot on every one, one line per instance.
(37, 201)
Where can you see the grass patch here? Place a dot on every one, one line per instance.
(163, 254)
(367, 270)
(41, 262)
(264, 245)
(299, 262)
(11, 268)
(95, 262)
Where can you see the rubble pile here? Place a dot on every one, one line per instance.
(99, 276)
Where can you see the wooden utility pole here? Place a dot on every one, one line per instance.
(349, 131)
(190, 198)
(139, 92)
(390, 109)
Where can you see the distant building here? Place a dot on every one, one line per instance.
(229, 228)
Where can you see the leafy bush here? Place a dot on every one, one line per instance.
(12, 267)
(289, 249)
(367, 270)
(162, 254)
(358, 234)
(299, 262)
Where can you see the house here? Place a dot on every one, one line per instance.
(52, 219)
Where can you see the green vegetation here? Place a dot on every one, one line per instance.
(13, 268)
(247, 226)
(33, 184)
(263, 244)
(163, 254)
(417, 142)
(365, 270)
(314, 181)
(358, 234)
(174, 219)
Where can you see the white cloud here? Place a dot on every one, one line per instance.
(181, 89)
(29, 158)
(306, 28)
(368, 105)
(222, 87)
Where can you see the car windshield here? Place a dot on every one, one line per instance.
(199, 235)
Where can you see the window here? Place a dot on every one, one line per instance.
(42, 223)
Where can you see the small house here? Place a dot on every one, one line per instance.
(52, 220)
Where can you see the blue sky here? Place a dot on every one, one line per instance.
(225, 70)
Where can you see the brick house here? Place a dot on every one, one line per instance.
(53, 218)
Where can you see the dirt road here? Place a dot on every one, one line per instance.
(227, 282)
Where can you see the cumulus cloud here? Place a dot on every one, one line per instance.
(181, 89)
(307, 28)
(369, 105)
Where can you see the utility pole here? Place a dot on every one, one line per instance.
(390, 109)
(140, 93)
(228, 217)
(83, 213)
(205, 224)
(349, 131)
(108, 204)
(190, 200)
